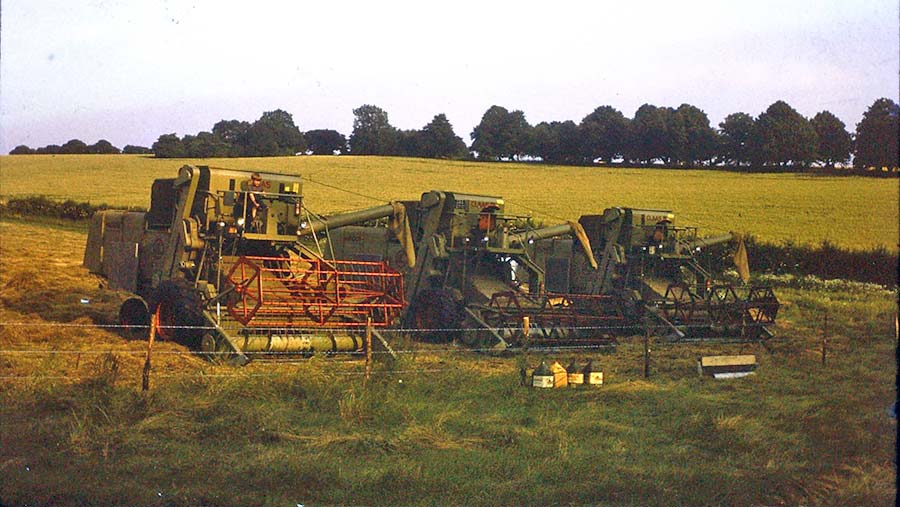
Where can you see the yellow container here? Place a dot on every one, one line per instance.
(560, 376)
(575, 375)
(592, 376)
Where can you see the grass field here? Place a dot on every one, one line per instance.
(75, 429)
(851, 212)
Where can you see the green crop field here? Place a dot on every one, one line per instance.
(852, 212)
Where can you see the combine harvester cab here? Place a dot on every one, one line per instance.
(226, 280)
(650, 263)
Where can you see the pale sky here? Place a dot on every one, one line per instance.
(128, 71)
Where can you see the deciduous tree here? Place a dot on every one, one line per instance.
(834, 140)
(438, 140)
(649, 135)
(168, 146)
(372, 132)
(695, 141)
(501, 134)
(735, 133)
(74, 147)
(877, 135)
(274, 134)
(325, 142)
(558, 142)
(408, 143)
(784, 136)
(103, 147)
(233, 132)
(490, 138)
(206, 145)
(131, 149)
(604, 134)
(50, 149)
(22, 150)
(260, 141)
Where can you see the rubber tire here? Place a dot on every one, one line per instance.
(180, 306)
(134, 318)
(437, 311)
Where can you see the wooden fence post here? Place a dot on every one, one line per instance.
(368, 349)
(647, 350)
(145, 377)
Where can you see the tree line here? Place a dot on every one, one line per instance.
(79, 147)
(275, 134)
(779, 138)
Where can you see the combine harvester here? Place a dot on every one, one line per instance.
(650, 263)
(448, 266)
(472, 272)
(478, 273)
(224, 279)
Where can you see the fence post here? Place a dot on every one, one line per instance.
(145, 377)
(368, 349)
(647, 349)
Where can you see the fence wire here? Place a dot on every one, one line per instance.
(236, 375)
(569, 345)
(353, 330)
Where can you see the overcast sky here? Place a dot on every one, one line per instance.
(128, 71)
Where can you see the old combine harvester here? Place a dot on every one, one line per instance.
(225, 279)
(478, 273)
(447, 266)
(652, 265)
(472, 272)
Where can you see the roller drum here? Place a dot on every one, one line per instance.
(296, 343)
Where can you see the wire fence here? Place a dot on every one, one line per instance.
(405, 371)
(129, 327)
(408, 340)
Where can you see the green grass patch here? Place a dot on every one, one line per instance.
(468, 433)
(458, 429)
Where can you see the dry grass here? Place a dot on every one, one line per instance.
(460, 432)
(42, 286)
(851, 212)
